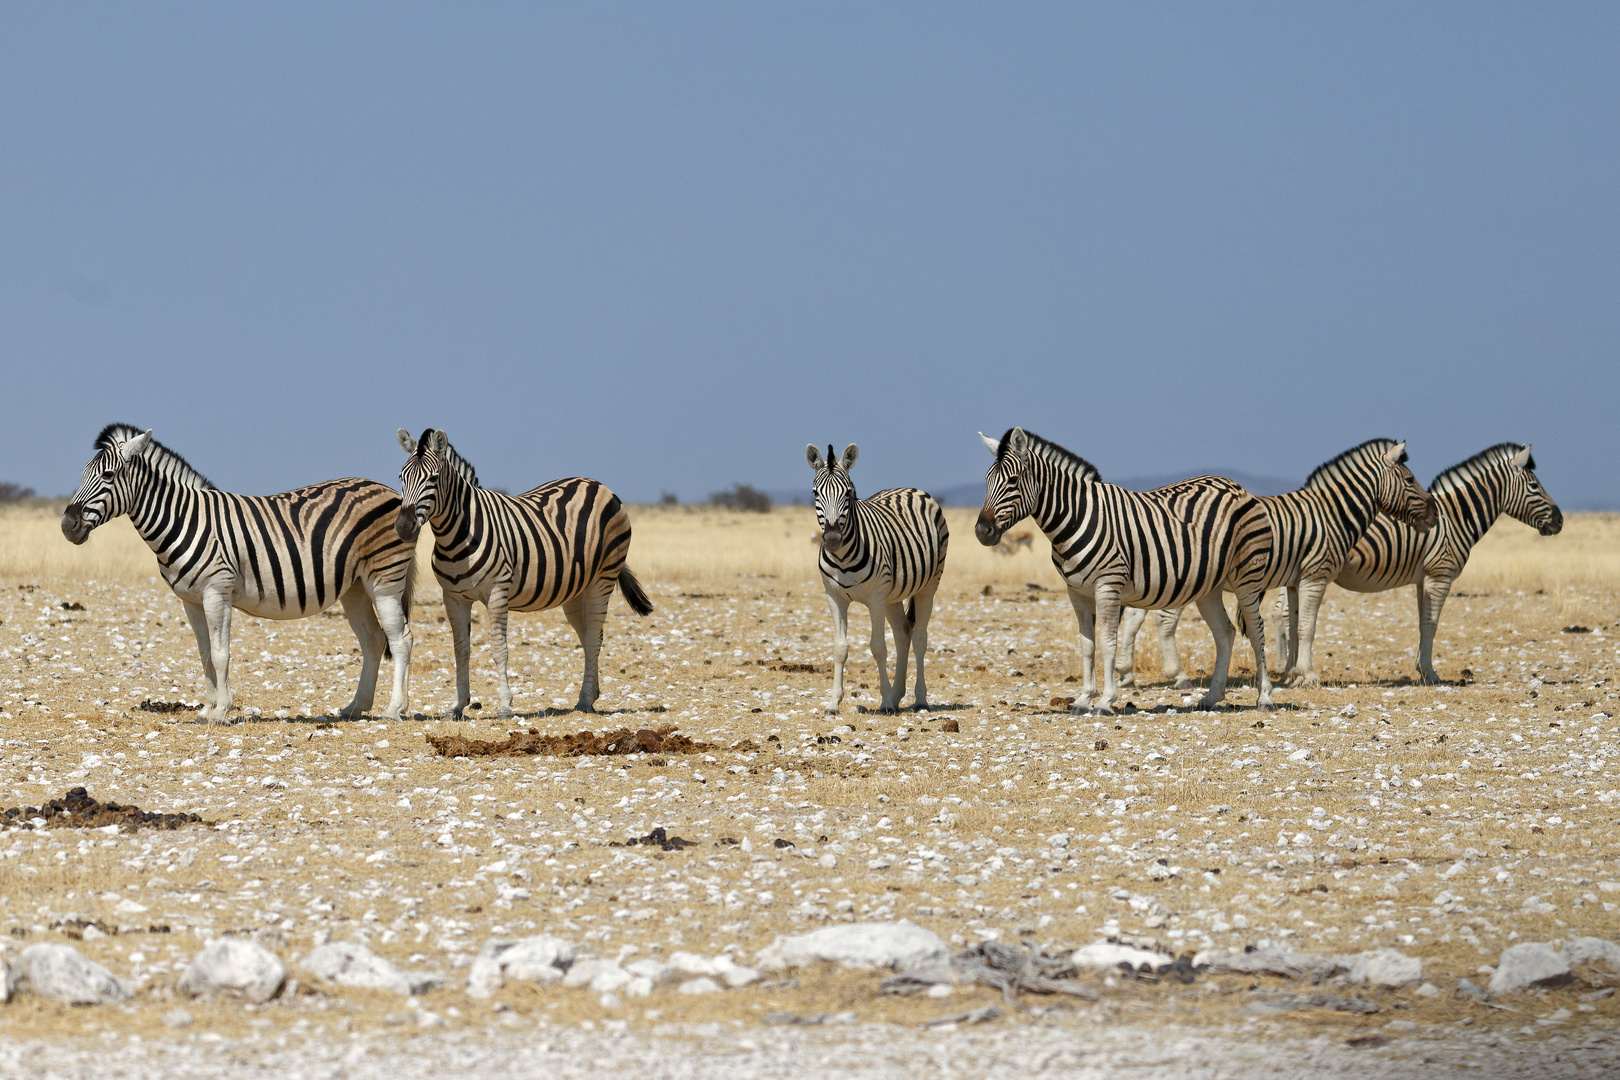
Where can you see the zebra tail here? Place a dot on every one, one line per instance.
(632, 593)
(911, 614)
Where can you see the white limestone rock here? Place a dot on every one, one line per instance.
(596, 975)
(61, 973)
(1595, 953)
(1531, 963)
(350, 963)
(1387, 968)
(1106, 954)
(900, 944)
(1271, 961)
(236, 966)
(655, 972)
(700, 985)
(541, 960)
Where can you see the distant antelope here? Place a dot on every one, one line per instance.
(886, 551)
(1011, 545)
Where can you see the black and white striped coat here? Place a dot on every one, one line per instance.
(283, 556)
(1469, 497)
(886, 551)
(562, 544)
(1313, 531)
(1159, 549)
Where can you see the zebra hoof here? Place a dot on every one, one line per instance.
(1183, 683)
(1127, 678)
(390, 714)
(1305, 680)
(501, 714)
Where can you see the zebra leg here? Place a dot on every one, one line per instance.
(199, 626)
(1249, 606)
(458, 612)
(1085, 613)
(880, 655)
(1310, 593)
(1169, 655)
(1213, 609)
(593, 617)
(1432, 593)
(496, 604)
(902, 649)
(1288, 629)
(396, 627)
(363, 621)
(840, 617)
(919, 643)
(1130, 621)
(1108, 610)
(217, 606)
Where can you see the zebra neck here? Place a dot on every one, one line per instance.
(456, 511)
(852, 550)
(1471, 508)
(1063, 498)
(158, 506)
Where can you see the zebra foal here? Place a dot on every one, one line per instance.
(1469, 497)
(1113, 547)
(284, 556)
(1314, 530)
(561, 544)
(886, 551)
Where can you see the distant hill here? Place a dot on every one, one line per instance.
(972, 494)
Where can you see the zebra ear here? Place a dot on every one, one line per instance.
(813, 456)
(441, 441)
(1396, 454)
(1018, 441)
(990, 444)
(135, 447)
(1518, 461)
(406, 443)
(851, 452)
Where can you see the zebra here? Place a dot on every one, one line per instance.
(1469, 496)
(1314, 530)
(1113, 547)
(285, 556)
(562, 543)
(886, 551)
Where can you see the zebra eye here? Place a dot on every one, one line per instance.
(107, 474)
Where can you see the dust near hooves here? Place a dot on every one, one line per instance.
(659, 740)
(77, 810)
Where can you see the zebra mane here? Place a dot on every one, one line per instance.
(1454, 477)
(451, 459)
(159, 457)
(1069, 461)
(1327, 471)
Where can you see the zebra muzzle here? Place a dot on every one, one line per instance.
(405, 525)
(74, 527)
(987, 531)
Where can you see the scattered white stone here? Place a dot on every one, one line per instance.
(1058, 840)
(1106, 954)
(129, 907)
(1531, 963)
(828, 860)
(941, 990)
(541, 960)
(1302, 755)
(654, 971)
(177, 1018)
(596, 975)
(1349, 710)
(700, 985)
(272, 783)
(1382, 967)
(350, 963)
(231, 965)
(900, 944)
(60, 973)
(1427, 990)
(1594, 952)
(1270, 961)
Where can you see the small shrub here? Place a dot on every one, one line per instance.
(742, 497)
(10, 492)
(668, 499)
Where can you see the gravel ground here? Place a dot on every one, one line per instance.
(1446, 822)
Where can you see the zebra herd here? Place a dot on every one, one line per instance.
(1361, 520)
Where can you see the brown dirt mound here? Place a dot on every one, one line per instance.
(658, 740)
(77, 810)
(148, 705)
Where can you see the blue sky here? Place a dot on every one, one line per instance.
(667, 245)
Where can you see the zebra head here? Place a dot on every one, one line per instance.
(835, 494)
(1525, 498)
(419, 480)
(108, 488)
(1005, 486)
(1399, 493)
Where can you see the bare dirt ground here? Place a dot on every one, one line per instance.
(1447, 822)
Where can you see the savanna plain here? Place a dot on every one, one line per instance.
(1446, 822)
